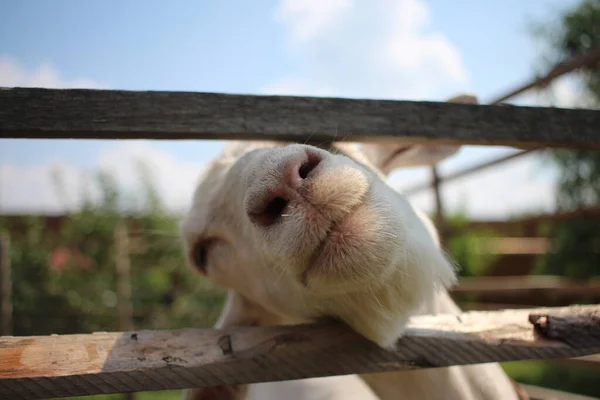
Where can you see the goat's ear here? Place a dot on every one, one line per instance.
(388, 157)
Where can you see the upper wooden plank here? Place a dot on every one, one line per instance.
(112, 114)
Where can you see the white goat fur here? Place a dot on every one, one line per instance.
(348, 246)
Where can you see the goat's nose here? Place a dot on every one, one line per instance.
(266, 206)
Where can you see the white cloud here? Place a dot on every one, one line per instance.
(174, 178)
(31, 188)
(309, 18)
(358, 48)
(13, 74)
(293, 87)
(26, 188)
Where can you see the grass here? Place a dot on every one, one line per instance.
(574, 379)
(159, 395)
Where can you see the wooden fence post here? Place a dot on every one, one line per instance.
(122, 265)
(123, 270)
(440, 220)
(6, 308)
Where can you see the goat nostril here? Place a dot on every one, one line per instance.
(276, 207)
(309, 165)
(271, 213)
(266, 207)
(304, 170)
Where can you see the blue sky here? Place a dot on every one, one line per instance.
(405, 49)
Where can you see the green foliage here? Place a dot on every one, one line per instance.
(580, 33)
(158, 395)
(575, 31)
(573, 379)
(65, 281)
(575, 241)
(469, 248)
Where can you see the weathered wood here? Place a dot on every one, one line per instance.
(568, 326)
(528, 225)
(507, 284)
(122, 269)
(60, 366)
(512, 245)
(6, 307)
(443, 179)
(468, 305)
(585, 60)
(440, 214)
(116, 114)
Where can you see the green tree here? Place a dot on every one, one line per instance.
(64, 280)
(576, 241)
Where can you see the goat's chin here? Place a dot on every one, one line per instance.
(394, 270)
(359, 251)
(380, 309)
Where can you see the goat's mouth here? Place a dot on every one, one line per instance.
(340, 235)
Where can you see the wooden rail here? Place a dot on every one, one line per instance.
(585, 60)
(6, 301)
(505, 284)
(528, 223)
(116, 114)
(70, 365)
(443, 179)
(512, 245)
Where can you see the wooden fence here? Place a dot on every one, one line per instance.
(69, 365)
(58, 366)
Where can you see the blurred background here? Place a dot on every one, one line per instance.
(90, 227)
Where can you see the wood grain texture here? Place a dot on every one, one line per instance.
(68, 365)
(113, 114)
(528, 283)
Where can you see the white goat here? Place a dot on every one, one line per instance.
(296, 232)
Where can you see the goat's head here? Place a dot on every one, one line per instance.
(302, 232)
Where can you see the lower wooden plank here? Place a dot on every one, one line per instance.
(67, 365)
